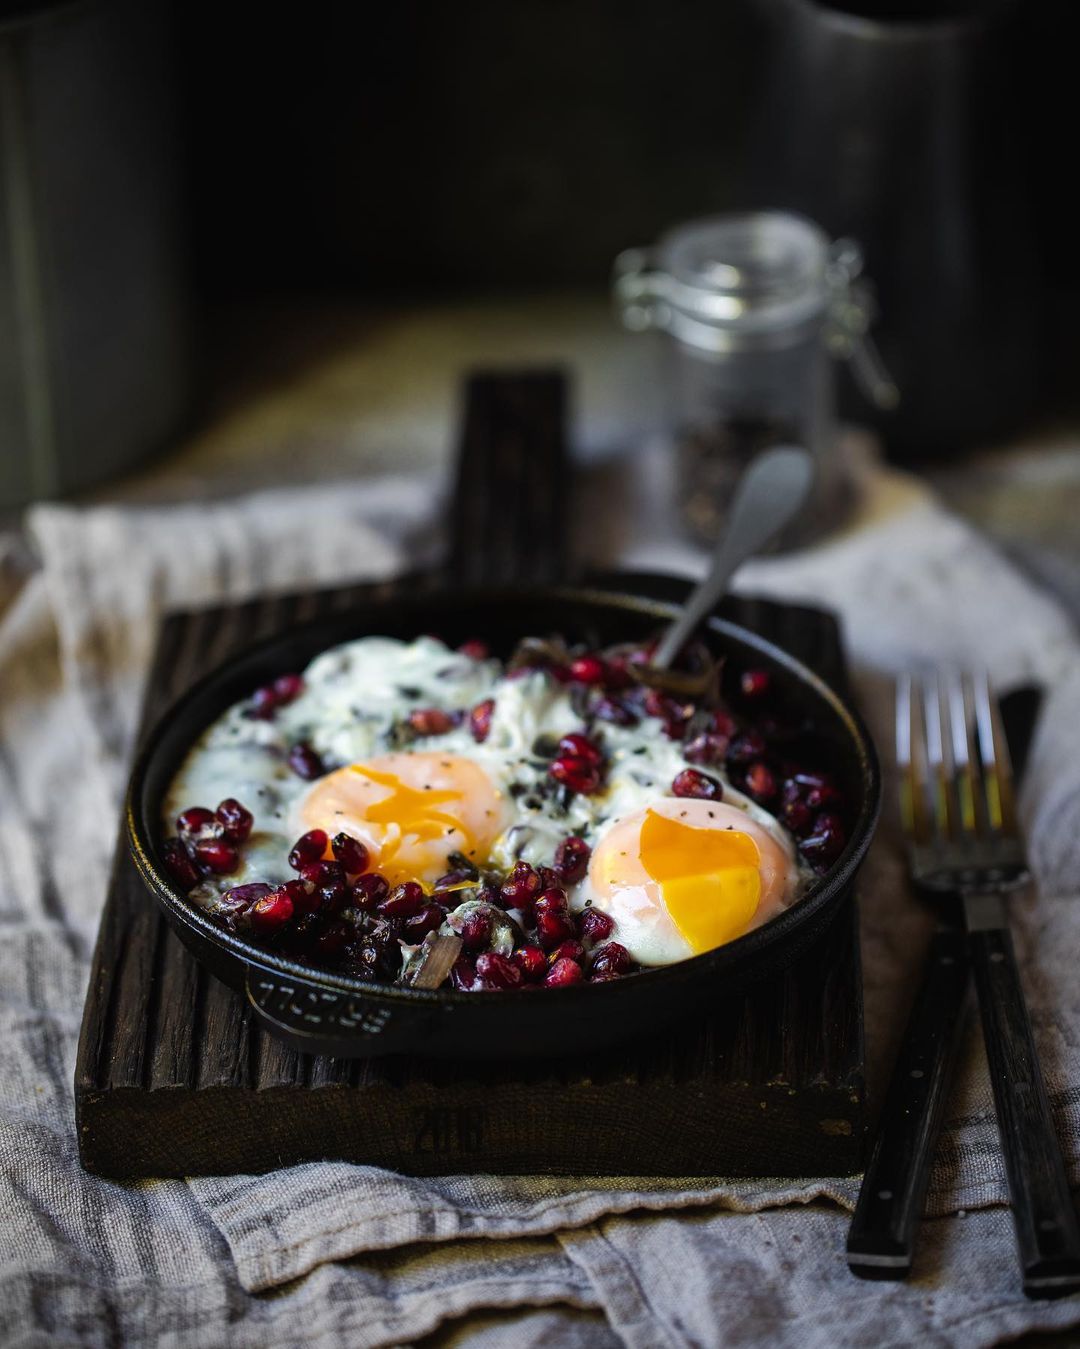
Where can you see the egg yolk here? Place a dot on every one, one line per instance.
(709, 879)
(410, 810)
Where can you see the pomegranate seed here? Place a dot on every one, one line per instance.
(594, 926)
(552, 901)
(690, 782)
(823, 797)
(578, 774)
(805, 779)
(241, 897)
(614, 711)
(475, 931)
(287, 688)
(332, 896)
(797, 815)
(403, 901)
(567, 950)
(351, 853)
(480, 720)
(532, 963)
(217, 855)
(305, 762)
(613, 957)
(519, 887)
(723, 723)
(418, 925)
(708, 748)
(272, 912)
(369, 890)
(755, 683)
(657, 704)
(572, 859)
(235, 819)
(303, 900)
(826, 842)
(331, 941)
(760, 783)
(179, 865)
(430, 721)
(308, 848)
(197, 820)
(496, 972)
(452, 880)
(549, 878)
(604, 976)
(474, 649)
(463, 974)
(618, 675)
(264, 704)
(553, 927)
(564, 973)
(577, 745)
(746, 747)
(588, 670)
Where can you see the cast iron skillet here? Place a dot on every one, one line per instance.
(327, 1013)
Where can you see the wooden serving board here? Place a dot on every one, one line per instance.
(174, 1077)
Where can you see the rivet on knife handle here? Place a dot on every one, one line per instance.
(881, 1239)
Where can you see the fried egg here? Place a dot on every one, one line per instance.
(680, 877)
(410, 810)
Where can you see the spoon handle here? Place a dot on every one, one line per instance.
(767, 495)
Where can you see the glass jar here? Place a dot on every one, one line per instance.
(754, 307)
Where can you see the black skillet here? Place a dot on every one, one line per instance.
(509, 430)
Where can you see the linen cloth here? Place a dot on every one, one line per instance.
(329, 1253)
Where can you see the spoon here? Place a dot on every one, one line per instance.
(770, 492)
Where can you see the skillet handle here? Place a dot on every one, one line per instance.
(316, 1020)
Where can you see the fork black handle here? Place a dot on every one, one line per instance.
(881, 1239)
(1047, 1232)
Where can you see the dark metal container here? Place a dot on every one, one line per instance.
(332, 1014)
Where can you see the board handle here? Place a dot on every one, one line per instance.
(317, 1020)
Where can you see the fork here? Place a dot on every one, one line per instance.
(959, 817)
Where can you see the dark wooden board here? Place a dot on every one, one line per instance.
(175, 1078)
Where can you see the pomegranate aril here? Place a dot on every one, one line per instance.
(416, 927)
(474, 649)
(549, 878)
(797, 815)
(272, 912)
(553, 927)
(613, 956)
(755, 683)
(578, 774)
(746, 747)
(452, 881)
(615, 711)
(497, 972)
(564, 973)
(241, 897)
(475, 931)
(572, 859)
(594, 926)
(404, 900)
(463, 974)
(826, 841)
(823, 797)
(197, 820)
(567, 950)
(351, 853)
(305, 762)
(369, 890)
(480, 720)
(217, 855)
(430, 721)
(553, 900)
(708, 748)
(723, 723)
(532, 963)
(264, 703)
(303, 899)
(236, 820)
(308, 848)
(179, 865)
(691, 782)
(588, 670)
(519, 887)
(287, 688)
(805, 778)
(761, 783)
(330, 942)
(577, 745)
(604, 976)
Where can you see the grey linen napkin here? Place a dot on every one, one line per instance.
(362, 1254)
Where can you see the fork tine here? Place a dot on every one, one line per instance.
(937, 771)
(963, 775)
(994, 757)
(912, 813)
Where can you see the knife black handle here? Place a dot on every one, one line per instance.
(881, 1239)
(1047, 1232)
